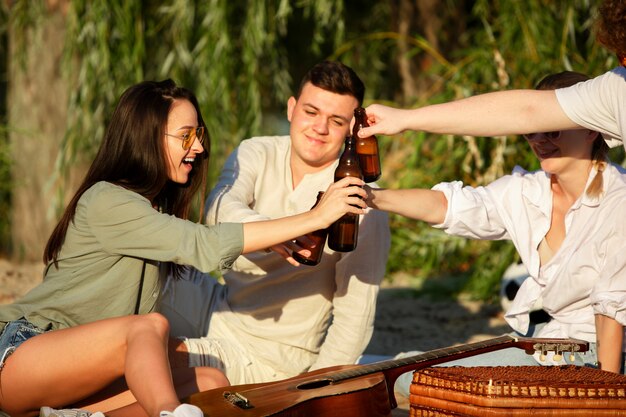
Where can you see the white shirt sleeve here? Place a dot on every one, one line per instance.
(232, 197)
(472, 212)
(598, 104)
(608, 297)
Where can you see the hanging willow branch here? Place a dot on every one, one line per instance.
(231, 63)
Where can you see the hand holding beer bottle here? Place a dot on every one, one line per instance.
(318, 240)
(366, 148)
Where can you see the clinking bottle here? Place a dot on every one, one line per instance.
(343, 233)
(319, 238)
(366, 148)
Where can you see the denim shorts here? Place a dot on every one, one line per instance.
(14, 334)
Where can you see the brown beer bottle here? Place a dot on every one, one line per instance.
(343, 233)
(366, 148)
(319, 238)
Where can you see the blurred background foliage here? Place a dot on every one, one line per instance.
(244, 59)
(5, 157)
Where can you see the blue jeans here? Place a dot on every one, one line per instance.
(14, 334)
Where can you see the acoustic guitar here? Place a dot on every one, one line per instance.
(352, 390)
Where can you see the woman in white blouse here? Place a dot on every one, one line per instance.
(568, 223)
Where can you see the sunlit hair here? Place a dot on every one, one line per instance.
(133, 155)
(599, 150)
(334, 77)
(610, 28)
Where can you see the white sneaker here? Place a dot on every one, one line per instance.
(70, 412)
(183, 410)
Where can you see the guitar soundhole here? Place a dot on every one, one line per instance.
(318, 383)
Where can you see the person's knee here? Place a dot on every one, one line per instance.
(155, 323)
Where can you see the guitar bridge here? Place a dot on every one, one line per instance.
(237, 400)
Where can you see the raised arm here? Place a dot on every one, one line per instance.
(344, 196)
(420, 204)
(491, 114)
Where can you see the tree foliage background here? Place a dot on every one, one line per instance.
(244, 59)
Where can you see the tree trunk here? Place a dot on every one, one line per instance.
(429, 21)
(406, 68)
(37, 114)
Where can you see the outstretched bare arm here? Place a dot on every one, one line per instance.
(491, 114)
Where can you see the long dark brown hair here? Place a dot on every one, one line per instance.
(133, 155)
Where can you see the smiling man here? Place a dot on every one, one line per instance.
(274, 318)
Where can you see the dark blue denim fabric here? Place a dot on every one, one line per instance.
(14, 334)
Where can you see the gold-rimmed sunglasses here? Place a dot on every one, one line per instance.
(190, 136)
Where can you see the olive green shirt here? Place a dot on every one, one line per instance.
(100, 262)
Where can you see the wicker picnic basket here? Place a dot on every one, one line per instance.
(517, 391)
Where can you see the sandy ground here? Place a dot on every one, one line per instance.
(404, 321)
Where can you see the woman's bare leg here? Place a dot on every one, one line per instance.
(64, 366)
(117, 400)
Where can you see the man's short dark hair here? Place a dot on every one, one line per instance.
(335, 77)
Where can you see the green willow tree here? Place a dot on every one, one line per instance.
(230, 53)
(242, 59)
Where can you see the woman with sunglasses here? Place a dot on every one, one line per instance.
(557, 219)
(598, 104)
(88, 336)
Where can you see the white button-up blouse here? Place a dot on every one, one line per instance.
(586, 276)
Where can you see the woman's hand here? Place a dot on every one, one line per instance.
(344, 196)
(384, 120)
(341, 197)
